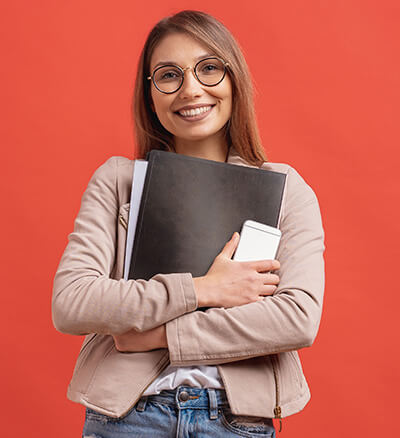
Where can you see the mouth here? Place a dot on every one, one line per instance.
(195, 114)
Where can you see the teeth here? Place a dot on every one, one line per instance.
(194, 112)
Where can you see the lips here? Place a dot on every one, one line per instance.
(193, 113)
(194, 110)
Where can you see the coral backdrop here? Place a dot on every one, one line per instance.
(327, 81)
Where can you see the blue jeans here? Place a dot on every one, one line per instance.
(184, 412)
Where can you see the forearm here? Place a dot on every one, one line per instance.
(133, 341)
(103, 305)
(218, 336)
(288, 320)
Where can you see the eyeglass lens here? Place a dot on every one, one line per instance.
(208, 71)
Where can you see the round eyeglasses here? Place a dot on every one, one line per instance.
(208, 71)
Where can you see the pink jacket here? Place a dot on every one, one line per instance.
(254, 345)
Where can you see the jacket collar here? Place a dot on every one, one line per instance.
(235, 158)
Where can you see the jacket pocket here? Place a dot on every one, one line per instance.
(118, 379)
(296, 367)
(292, 384)
(83, 351)
(91, 353)
(84, 355)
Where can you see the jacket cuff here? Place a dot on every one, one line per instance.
(173, 341)
(188, 292)
(190, 299)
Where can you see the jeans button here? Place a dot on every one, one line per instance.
(183, 396)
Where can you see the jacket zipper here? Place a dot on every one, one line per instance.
(123, 222)
(277, 409)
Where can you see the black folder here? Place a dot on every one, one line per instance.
(190, 208)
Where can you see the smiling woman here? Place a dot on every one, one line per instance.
(194, 113)
(153, 363)
(183, 42)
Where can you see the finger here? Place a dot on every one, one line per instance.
(268, 289)
(230, 246)
(270, 278)
(263, 265)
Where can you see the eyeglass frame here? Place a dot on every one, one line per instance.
(225, 64)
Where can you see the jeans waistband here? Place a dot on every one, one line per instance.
(187, 397)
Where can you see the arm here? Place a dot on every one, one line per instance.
(85, 298)
(223, 286)
(134, 341)
(288, 320)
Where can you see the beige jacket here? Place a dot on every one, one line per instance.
(254, 345)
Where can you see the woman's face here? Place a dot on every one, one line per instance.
(173, 110)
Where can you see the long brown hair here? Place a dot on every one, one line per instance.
(241, 130)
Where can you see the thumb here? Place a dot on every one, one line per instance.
(230, 246)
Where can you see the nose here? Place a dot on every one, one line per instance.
(191, 87)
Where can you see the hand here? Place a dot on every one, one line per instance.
(133, 341)
(231, 283)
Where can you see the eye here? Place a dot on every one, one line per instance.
(167, 74)
(210, 68)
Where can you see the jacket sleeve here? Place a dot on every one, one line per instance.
(85, 298)
(288, 320)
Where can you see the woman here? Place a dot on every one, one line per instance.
(151, 365)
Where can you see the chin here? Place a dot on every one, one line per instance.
(197, 136)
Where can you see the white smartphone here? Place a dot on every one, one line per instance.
(257, 242)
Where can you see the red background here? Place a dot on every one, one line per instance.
(327, 80)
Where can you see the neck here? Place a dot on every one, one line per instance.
(209, 149)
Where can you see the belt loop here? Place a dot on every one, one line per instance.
(213, 404)
(141, 404)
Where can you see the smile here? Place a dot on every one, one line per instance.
(195, 113)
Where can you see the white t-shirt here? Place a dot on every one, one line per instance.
(206, 376)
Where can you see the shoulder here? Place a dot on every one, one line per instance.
(113, 178)
(297, 195)
(296, 191)
(296, 187)
(114, 169)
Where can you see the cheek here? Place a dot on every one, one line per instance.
(161, 107)
(159, 102)
(157, 105)
(153, 99)
(227, 97)
(227, 105)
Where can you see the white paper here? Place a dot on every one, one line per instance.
(139, 176)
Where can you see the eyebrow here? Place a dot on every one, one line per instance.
(205, 55)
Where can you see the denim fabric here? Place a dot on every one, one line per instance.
(205, 413)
